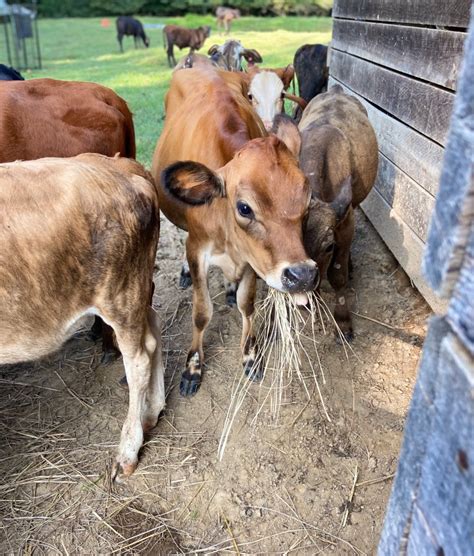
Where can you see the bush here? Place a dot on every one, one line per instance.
(85, 8)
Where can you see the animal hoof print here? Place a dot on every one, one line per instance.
(185, 281)
(189, 385)
(253, 373)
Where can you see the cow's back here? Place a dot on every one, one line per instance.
(45, 117)
(339, 122)
(70, 228)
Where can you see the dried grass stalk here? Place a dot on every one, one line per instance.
(284, 346)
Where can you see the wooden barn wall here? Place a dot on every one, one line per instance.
(401, 60)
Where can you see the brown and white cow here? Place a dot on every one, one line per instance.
(227, 56)
(173, 35)
(47, 117)
(339, 156)
(268, 90)
(83, 243)
(240, 195)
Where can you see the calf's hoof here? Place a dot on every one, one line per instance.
(122, 470)
(253, 372)
(347, 335)
(231, 299)
(189, 384)
(109, 356)
(185, 280)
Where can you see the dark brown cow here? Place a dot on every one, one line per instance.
(183, 38)
(129, 26)
(79, 238)
(339, 156)
(46, 117)
(240, 195)
(225, 16)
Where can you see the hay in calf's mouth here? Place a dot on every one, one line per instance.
(284, 346)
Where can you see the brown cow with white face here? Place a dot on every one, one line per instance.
(79, 238)
(240, 195)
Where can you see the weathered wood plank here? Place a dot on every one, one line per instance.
(420, 105)
(412, 203)
(402, 242)
(423, 12)
(430, 54)
(415, 154)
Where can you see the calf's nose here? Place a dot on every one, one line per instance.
(300, 277)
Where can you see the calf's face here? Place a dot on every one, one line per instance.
(267, 198)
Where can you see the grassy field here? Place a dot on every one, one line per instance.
(81, 49)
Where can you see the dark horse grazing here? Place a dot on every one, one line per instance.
(129, 26)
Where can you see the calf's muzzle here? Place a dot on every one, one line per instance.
(300, 277)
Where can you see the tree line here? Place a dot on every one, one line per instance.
(88, 8)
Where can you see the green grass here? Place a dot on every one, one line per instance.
(80, 49)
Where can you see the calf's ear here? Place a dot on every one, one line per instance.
(287, 131)
(192, 183)
(213, 50)
(343, 201)
(251, 54)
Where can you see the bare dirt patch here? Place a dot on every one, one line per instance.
(302, 485)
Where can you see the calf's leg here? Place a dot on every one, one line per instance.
(156, 392)
(138, 349)
(338, 275)
(202, 314)
(246, 292)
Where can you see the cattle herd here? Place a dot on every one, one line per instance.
(260, 193)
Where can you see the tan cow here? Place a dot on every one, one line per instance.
(83, 243)
(240, 195)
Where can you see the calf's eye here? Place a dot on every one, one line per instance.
(244, 210)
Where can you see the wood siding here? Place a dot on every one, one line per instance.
(401, 60)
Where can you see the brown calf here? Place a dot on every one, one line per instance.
(183, 38)
(339, 156)
(243, 210)
(83, 243)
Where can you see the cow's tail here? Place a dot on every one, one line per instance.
(165, 39)
(130, 146)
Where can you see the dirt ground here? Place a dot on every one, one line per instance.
(303, 485)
